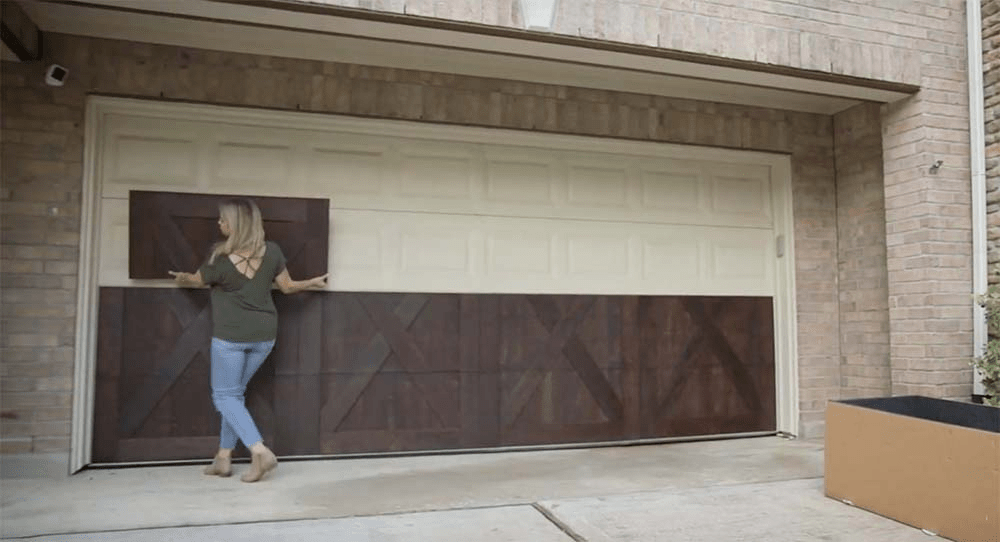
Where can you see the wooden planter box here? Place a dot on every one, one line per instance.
(929, 463)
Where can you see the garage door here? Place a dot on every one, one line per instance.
(489, 288)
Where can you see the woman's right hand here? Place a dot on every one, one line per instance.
(318, 282)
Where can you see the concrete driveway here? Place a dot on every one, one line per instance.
(728, 490)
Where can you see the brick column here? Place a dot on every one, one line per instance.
(929, 235)
(863, 281)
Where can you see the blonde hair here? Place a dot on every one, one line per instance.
(246, 228)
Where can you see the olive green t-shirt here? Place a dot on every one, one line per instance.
(242, 308)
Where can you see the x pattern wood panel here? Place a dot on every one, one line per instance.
(366, 372)
(709, 366)
(172, 230)
(557, 387)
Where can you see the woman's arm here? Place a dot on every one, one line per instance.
(188, 280)
(289, 286)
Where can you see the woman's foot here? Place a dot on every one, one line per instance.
(262, 461)
(221, 466)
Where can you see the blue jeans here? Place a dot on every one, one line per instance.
(233, 365)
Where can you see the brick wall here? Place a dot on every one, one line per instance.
(991, 94)
(41, 169)
(863, 287)
(42, 131)
(929, 220)
(921, 42)
(872, 40)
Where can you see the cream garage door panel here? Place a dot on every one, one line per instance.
(355, 171)
(394, 251)
(112, 267)
(742, 193)
(454, 210)
(239, 165)
(436, 177)
(522, 180)
(393, 173)
(150, 154)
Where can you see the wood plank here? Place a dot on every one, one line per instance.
(296, 386)
(345, 390)
(400, 440)
(488, 408)
(167, 369)
(469, 338)
(173, 230)
(174, 250)
(166, 448)
(593, 378)
(631, 362)
(408, 354)
(561, 434)
(110, 325)
(296, 409)
(561, 328)
(420, 371)
(709, 425)
(723, 351)
(688, 372)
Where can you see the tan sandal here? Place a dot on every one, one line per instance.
(260, 464)
(221, 466)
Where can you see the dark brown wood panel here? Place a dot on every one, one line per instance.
(153, 381)
(707, 365)
(379, 372)
(560, 369)
(171, 231)
(391, 367)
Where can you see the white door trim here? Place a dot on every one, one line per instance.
(786, 366)
(98, 109)
(85, 345)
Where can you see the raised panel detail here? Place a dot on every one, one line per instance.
(746, 196)
(679, 257)
(435, 250)
(149, 160)
(344, 171)
(251, 163)
(436, 177)
(598, 187)
(520, 253)
(594, 255)
(114, 243)
(664, 190)
(424, 213)
(357, 248)
(519, 182)
(742, 258)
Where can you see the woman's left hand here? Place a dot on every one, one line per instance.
(187, 279)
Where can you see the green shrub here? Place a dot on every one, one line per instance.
(989, 363)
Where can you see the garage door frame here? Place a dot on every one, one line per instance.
(99, 107)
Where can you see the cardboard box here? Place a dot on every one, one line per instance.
(929, 463)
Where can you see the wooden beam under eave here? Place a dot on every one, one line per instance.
(19, 33)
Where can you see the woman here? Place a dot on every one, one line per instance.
(240, 272)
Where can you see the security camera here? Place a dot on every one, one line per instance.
(56, 75)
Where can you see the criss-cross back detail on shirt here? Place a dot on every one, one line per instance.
(245, 264)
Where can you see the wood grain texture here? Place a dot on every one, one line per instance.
(176, 231)
(376, 372)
